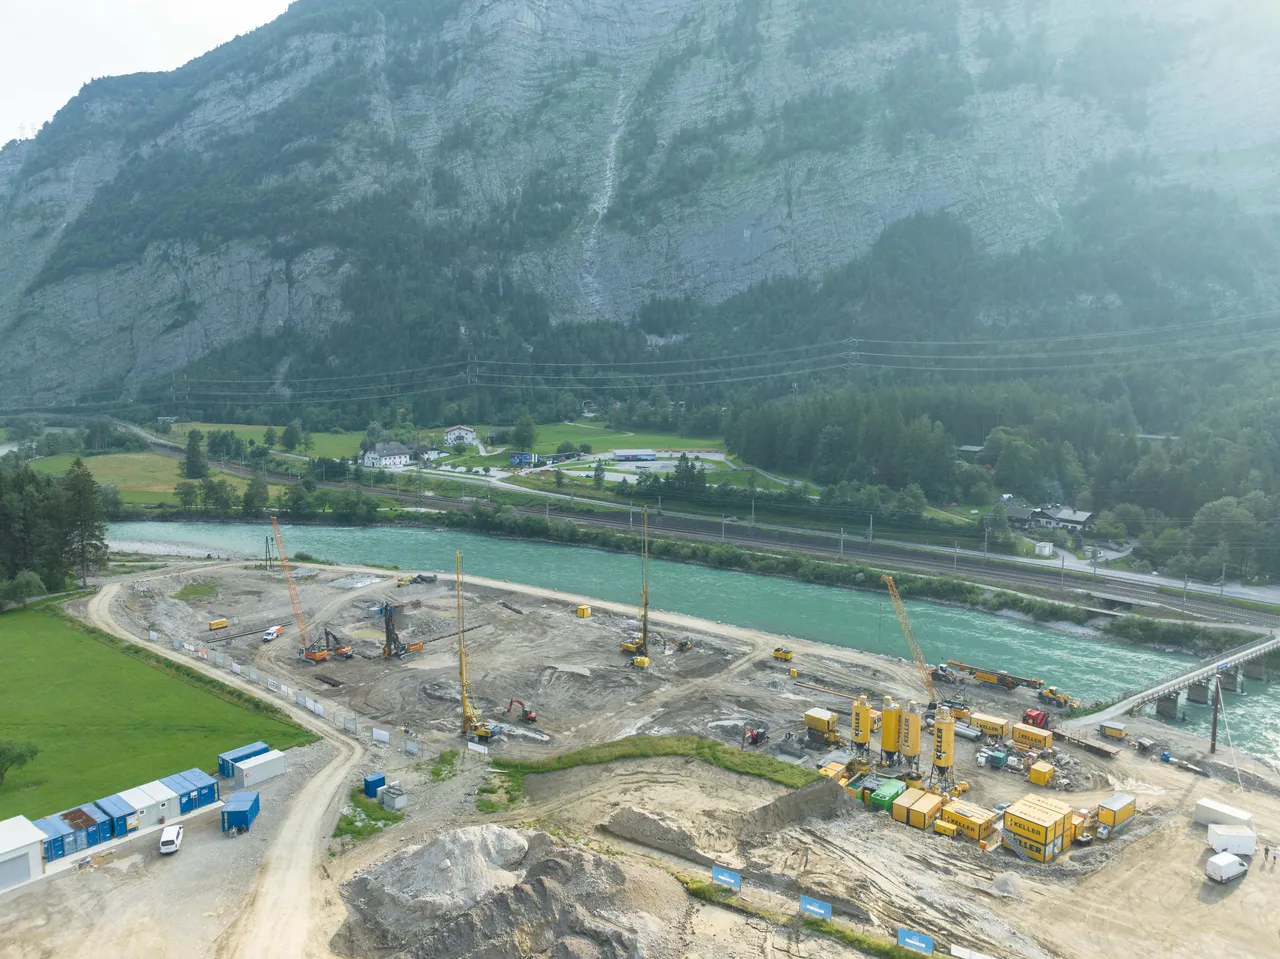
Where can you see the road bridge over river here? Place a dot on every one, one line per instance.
(1196, 681)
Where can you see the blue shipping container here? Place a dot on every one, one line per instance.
(59, 833)
(232, 756)
(206, 784)
(373, 783)
(240, 811)
(90, 825)
(188, 792)
(118, 814)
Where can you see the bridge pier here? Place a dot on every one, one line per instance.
(1198, 693)
(1230, 679)
(1167, 707)
(1257, 669)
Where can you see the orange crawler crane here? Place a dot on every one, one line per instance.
(305, 651)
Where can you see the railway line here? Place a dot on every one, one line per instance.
(1068, 585)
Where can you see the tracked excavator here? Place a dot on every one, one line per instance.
(392, 644)
(527, 714)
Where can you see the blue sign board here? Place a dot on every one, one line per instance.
(915, 941)
(815, 907)
(726, 878)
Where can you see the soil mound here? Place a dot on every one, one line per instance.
(825, 800)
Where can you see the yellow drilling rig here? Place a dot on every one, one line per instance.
(473, 727)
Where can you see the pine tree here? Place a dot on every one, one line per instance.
(86, 525)
(196, 463)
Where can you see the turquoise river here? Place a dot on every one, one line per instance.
(1089, 668)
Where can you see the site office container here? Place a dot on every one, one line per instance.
(1032, 736)
(990, 725)
(188, 792)
(121, 814)
(1117, 810)
(240, 811)
(59, 841)
(144, 805)
(1211, 811)
(902, 805)
(944, 828)
(1038, 826)
(206, 785)
(972, 821)
(166, 800)
(1113, 730)
(924, 811)
(89, 825)
(372, 783)
(258, 769)
(227, 760)
(1077, 828)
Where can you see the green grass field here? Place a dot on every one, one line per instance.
(332, 445)
(142, 478)
(103, 720)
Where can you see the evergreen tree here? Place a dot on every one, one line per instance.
(292, 436)
(196, 464)
(85, 521)
(269, 437)
(525, 433)
(256, 495)
(597, 478)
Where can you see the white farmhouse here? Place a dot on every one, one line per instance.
(385, 455)
(460, 434)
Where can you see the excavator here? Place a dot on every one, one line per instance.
(639, 647)
(682, 645)
(473, 726)
(392, 644)
(335, 646)
(527, 714)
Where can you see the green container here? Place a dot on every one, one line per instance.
(883, 797)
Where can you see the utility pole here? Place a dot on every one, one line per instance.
(722, 521)
(631, 512)
(955, 558)
(842, 542)
(1217, 702)
(753, 511)
(659, 505)
(547, 512)
(1222, 583)
(1062, 583)
(985, 534)
(871, 527)
(1186, 578)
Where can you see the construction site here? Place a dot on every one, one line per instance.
(949, 800)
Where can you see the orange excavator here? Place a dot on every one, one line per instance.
(527, 714)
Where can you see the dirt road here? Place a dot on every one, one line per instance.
(290, 893)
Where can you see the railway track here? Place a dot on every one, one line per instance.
(1070, 586)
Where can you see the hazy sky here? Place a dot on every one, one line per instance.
(50, 48)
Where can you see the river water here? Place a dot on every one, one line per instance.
(1088, 668)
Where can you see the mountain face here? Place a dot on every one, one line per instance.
(469, 174)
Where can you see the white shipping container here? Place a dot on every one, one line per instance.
(1238, 840)
(259, 769)
(1211, 811)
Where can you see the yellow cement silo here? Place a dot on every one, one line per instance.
(861, 724)
(909, 734)
(944, 750)
(890, 730)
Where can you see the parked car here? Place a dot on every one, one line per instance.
(170, 839)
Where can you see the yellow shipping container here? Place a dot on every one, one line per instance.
(944, 828)
(1041, 773)
(832, 769)
(924, 811)
(1117, 810)
(989, 725)
(584, 612)
(218, 624)
(1077, 828)
(973, 821)
(1032, 736)
(902, 805)
(1039, 826)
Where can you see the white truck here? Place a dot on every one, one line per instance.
(1237, 840)
(1224, 867)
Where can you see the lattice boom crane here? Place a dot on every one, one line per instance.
(298, 616)
(916, 652)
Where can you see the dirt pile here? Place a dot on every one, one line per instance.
(825, 800)
(501, 894)
(656, 831)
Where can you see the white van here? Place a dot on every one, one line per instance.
(272, 632)
(1224, 867)
(171, 840)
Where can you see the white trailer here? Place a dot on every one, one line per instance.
(1238, 840)
(258, 769)
(1211, 811)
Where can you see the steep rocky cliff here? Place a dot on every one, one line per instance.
(597, 155)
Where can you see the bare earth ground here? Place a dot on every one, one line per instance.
(1143, 893)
